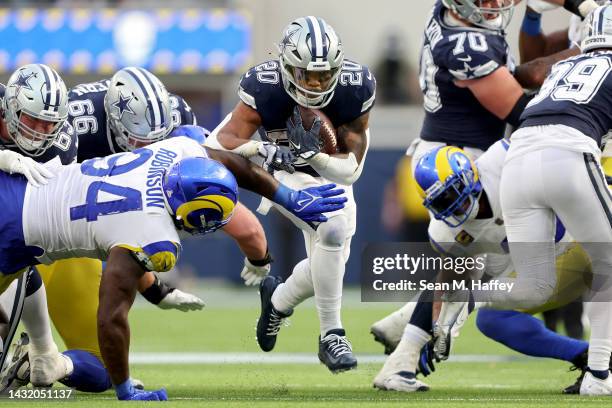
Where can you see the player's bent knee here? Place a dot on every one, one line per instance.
(333, 233)
(488, 320)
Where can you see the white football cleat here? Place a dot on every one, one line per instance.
(403, 359)
(403, 382)
(592, 385)
(46, 369)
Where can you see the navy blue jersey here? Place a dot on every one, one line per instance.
(64, 147)
(262, 89)
(578, 94)
(87, 116)
(453, 115)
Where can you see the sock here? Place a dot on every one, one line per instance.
(89, 374)
(327, 275)
(600, 343)
(526, 334)
(601, 374)
(405, 357)
(393, 325)
(328, 256)
(422, 315)
(295, 290)
(35, 317)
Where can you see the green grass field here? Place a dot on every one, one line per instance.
(227, 326)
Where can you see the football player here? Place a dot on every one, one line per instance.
(102, 205)
(34, 109)
(310, 72)
(119, 115)
(468, 222)
(558, 146)
(472, 89)
(466, 72)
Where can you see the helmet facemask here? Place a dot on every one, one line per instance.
(488, 14)
(456, 200)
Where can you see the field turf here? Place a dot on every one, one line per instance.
(226, 327)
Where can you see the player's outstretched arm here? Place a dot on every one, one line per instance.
(235, 132)
(164, 296)
(309, 204)
(117, 291)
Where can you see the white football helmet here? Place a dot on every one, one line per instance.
(138, 108)
(310, 57)
(488, 14)
(34, 92)
(597, 31)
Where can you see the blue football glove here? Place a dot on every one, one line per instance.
(197, 133)
(305, 143)
(426, 360)
(126, 392)
(310, 204)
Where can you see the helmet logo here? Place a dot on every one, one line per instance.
(23, 82)
(123, 104)
(289, 41)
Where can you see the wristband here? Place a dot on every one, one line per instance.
(532, 23)
(157, 291)
(283, 195)
(262, 262)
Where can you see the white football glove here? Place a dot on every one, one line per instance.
(541, 6)
(36, 173)
(252, 274)
(182, 301)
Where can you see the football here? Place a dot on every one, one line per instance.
(327, 133)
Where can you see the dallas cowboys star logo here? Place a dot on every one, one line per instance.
(123, 104)
(289, 40)
(23, 81)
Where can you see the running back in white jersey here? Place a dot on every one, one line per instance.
(91, 207)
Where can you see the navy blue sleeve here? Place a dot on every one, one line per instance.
(181, 112)
(471, 54)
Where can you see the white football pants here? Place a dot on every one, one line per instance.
(534, 187)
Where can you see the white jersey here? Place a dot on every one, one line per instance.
(483, 236)
(89, 208)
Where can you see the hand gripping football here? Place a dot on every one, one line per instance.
(327, 134)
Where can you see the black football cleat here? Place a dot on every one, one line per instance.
(270, 319)
(335, 351)
(580, 363)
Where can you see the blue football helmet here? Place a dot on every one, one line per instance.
(448, 182)
(201, 194)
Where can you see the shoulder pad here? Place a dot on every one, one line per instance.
(181, 112)
(471, 54)
(260, 83)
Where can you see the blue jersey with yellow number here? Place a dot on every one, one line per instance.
(88, 119)
(450, 53)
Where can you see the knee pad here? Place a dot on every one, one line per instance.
(333, 233)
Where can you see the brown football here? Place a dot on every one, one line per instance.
(327, 133)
